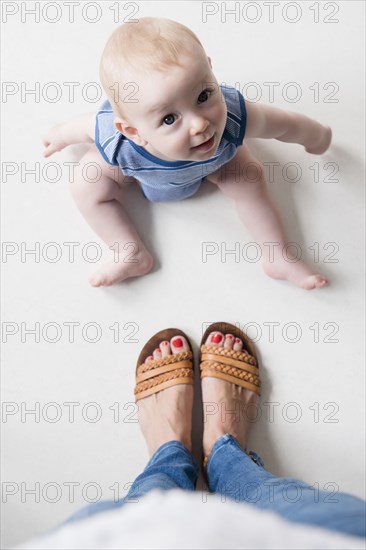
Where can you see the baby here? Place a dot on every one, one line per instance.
(169, 126)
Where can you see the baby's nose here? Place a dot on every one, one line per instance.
(198, 126)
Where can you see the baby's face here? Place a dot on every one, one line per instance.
(181, 113)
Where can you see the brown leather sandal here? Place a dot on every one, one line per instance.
(159, 374)
(238, 367)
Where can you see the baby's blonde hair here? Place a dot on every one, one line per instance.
(151, 43)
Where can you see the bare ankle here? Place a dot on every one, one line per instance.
(143, 262)
(118, 270)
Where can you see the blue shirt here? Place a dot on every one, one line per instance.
(163, 180)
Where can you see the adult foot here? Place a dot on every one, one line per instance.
(227, 408)
(117, 271)
(295, 272)
(167, 415)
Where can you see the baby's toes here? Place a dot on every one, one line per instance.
(314, 281)
(238, 344)
(178, 344)
(320, 281)
(96, 279)
(215, 339)
(148, 359)
(229, 341)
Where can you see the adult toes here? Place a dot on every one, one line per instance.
(215, 339)
(178, 344)
(238, 344)
(229, 341)
(157, 353)
(165, 348)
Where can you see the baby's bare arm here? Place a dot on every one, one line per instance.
(77, 130)
(266, 121)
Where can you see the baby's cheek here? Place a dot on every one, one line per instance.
(221, 107)
(222, 116)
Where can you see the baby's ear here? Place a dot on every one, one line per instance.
(129, 131)
(120, 124)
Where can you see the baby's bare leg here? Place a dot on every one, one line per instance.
(104, 213)
(259, 215)
(265, 121)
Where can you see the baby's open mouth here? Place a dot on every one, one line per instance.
(206, 145)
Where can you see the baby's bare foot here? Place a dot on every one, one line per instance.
(295, 272)
(54, 140)
(115, 272)
(227, 408)
(167, 414)
(319, 146)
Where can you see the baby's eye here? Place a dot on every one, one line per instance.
(169, 119)
(204, 95)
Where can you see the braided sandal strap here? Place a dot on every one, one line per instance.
(240, 356)
(238, 367)
(169, 360)
(160, 374)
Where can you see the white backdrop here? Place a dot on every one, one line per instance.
(76, 369)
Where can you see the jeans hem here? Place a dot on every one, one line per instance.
(174, 443)
(228, 438)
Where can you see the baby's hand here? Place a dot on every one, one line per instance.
(54, 140)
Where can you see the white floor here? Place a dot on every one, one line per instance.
(312, 364)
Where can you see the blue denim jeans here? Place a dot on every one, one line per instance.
(234, 474)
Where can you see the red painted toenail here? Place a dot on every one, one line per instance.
(178, 343)
(158, 350)
(216, 338)
(237, 340)
(164, 343)
(229, 337)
